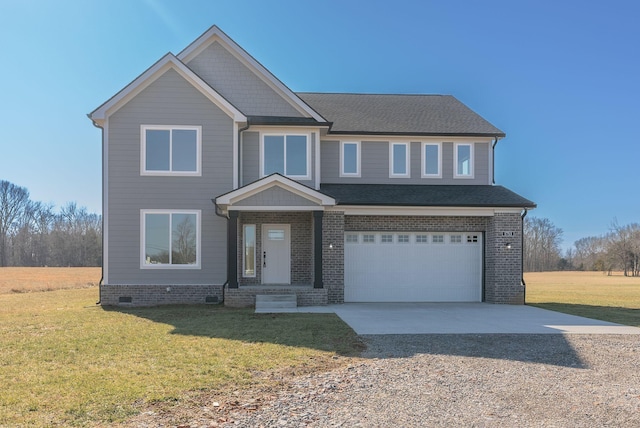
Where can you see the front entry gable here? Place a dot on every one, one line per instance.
(274, 193)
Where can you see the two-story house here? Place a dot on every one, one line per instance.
(221, 183)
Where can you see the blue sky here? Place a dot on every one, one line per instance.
(561, 78)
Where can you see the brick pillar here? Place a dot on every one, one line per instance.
(333, 255)
(504, 259)
(317, 248)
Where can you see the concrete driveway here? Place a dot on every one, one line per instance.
(463, 318)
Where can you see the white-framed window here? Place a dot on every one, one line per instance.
(437, 239)
(422, 239)
(403, 239)
(352, 238)
(456, 239)
(463, 160)
(170, 150)
(472, 238)
(399, 160)
(170, 239)
(431, 160)
(286, 154)
(386, 239)
(368, 239)
(349, 159)
(249, 251)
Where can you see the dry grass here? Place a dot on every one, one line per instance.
(614, 298)
(28, 279)
(66, 362)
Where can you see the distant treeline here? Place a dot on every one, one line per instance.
(618, 250)
(32, 234)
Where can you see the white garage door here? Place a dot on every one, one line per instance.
(413, 267)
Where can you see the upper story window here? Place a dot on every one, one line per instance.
(170, 239)
(463, 160)
(288, 155)
(171, 150)
(399, 160)
(349, 159)
(431, 160)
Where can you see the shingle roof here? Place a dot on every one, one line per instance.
(425, 195)
(371, 114)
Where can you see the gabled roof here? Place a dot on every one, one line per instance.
(169, 61)
(214, 34)
(426, 196)
(229, 199)
(386, 114)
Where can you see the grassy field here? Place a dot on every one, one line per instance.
(24, 280)
(65, 361)
(614, 298)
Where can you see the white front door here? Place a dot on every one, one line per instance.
(276, 254)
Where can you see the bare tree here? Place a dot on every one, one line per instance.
(541, 244)
(13, 202)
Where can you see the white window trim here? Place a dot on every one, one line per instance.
(350, 174)
(471, 159)
(144, 265)
(406, 160)
(244, 243)
(424, 160)
(285, 135)
(143, 151)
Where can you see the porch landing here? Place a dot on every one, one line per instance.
(245, 295)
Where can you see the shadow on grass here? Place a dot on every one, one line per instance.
(619, 315)
(552, 349)
(325, 332)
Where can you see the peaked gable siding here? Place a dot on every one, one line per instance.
(170, 100)
(238, 84)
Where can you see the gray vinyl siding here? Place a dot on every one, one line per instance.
(274, 197)
(250, 157)
(170, 100)
(250, 154)
(374, 164)
(238, 84)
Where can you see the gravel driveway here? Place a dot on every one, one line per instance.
(463, 380)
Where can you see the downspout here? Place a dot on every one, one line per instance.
(524, 284)
(217, 211)
(101, 218)
(219, 214)
(493, 160)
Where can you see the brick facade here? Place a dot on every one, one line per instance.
(502, 262)
(153, 295)
(301, 244)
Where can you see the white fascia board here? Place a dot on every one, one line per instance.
(422, 211)
(406, 138)
(169, 61)
(275, 180)
(273, 208)
(215, 34)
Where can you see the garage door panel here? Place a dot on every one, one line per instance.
(419, 271)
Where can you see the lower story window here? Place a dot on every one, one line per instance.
(249, 252)
(170, 239)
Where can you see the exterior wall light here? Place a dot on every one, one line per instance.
(508, 246)
(331, 246)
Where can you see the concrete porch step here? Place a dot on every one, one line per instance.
(269, 302)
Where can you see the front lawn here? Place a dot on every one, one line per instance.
(66, 361)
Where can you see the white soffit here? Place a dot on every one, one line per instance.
(270, 181)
